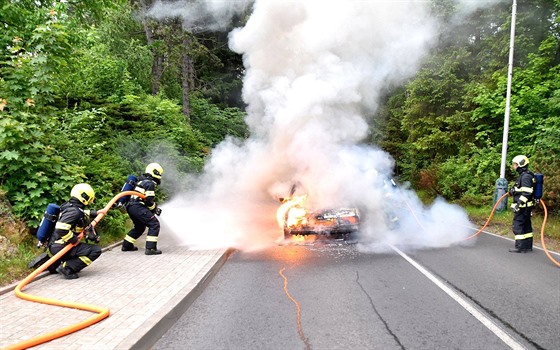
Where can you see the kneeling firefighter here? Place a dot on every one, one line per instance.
(523, 204)
(143, 212)
(73, 218)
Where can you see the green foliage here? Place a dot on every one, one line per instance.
(216, 123)
(445, 130)
(39, 44)
(99, 76)
(73, 108)
(33, 173)
(469, 176)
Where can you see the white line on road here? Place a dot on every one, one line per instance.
(512, 343)
(512, 240)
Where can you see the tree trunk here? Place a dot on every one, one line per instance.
(158, 62)
(186, 76)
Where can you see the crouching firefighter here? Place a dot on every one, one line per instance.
(522, 206)
(143, 212)
(72, 220)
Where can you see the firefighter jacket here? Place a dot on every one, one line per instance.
(522, 191)
(147, 186)
(71, 221)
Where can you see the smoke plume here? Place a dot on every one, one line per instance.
(199, 15)
(314, 69)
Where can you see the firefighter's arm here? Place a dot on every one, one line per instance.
(154, 208)
(66, 226)
(92, 213)
(150, 199)
(64, 231)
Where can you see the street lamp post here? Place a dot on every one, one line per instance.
(501, 183)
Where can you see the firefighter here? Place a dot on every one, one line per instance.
(143, 212)
(522, 206)
(73, 218)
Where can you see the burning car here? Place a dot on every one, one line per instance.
(295, 219)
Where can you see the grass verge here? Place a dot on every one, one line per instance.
(501, 224)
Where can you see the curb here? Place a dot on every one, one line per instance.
(152, 330)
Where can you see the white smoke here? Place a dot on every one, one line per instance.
(199, 15)
(466, 7)
(313, 68)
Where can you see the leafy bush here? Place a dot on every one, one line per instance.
(469, 176)
(216, 123)
(33, 171)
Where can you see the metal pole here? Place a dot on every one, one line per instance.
(502, 181)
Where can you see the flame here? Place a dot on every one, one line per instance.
(292, 212)
(298, 239)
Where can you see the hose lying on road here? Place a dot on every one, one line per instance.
(102, 312)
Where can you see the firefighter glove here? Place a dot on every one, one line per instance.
(515, 207)
(512, 191)
(91, 235)
(157, 211)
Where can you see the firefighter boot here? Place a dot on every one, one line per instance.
(128, 247)
(153, 251)
(67, 272)
(38, 261)
(519, 250)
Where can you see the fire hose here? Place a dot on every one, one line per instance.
(542, 227)
(492, 214)
(101, 312)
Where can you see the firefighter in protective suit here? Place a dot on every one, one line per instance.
(522, 206)
(143, 212)
(73, 218)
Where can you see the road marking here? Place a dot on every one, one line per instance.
(512, 240)
(512, 343)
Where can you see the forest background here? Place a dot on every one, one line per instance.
(90, 91)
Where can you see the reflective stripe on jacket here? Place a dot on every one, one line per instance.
(146, 186)
(71, 221)
(523, 189)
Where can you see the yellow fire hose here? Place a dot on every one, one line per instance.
(542, 227)
(102, 312)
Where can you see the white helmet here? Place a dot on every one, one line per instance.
(520, 160)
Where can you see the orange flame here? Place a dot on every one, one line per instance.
(292, 212)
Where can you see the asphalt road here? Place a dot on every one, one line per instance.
(470, 297)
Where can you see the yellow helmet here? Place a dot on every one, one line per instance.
(520, 160)
(84, 193)
(155, 170)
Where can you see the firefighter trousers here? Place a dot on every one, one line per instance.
(522, 228)
(141, 218)
(77, 258)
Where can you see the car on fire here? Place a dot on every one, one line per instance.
(296, 220)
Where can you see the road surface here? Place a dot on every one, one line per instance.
(332, 296)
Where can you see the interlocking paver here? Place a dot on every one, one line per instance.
(139, 291)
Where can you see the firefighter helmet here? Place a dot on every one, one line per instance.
(520, 160)
(155, 170)
(84, 193)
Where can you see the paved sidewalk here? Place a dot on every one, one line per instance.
(145, 296)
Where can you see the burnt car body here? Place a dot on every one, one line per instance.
(339, 223)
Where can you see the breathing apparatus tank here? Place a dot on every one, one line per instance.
(539, 183)
(129, 185)
(48, 222)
